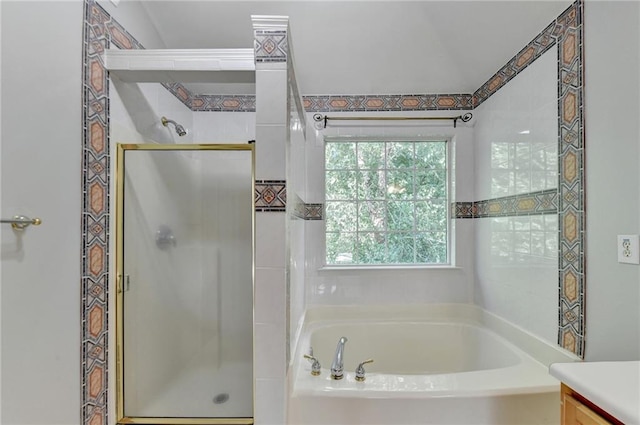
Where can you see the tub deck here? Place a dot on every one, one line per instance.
(474, 368)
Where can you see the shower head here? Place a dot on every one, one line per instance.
(179, 129)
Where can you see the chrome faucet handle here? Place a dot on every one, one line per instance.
(315, 366)
(360, 370)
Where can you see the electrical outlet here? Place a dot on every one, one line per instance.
(628, 249)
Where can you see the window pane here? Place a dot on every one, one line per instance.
(431, 247)
(340, 155)
(400, 184)
(431, 215)
(371, 216)
(371, 248)
(400, 155)
(431, 155)
(371, 185)
(400, 215)
(340, 185)
(340, 248)
(371, 155)
(341, 216)
(401, 248)
(431, 184)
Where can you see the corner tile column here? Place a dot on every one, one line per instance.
(272, 131)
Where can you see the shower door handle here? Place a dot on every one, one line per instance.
(127, 283)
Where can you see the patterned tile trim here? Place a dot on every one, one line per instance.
(533, 203)
(270, 46)
(99, 31)
(307, 211)
(314, 211)
(416, 102)
(532, 51)
(222, 103)
(270, 195)
(182, 93)
(571, 184)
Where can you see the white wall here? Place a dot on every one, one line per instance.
(390, 286)
(612, 93)
(516, 137)
(41, 157)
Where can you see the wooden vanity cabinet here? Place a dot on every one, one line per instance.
(577, 410)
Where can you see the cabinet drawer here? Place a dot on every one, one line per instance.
(576, 413)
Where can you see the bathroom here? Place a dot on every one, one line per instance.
(45, 379)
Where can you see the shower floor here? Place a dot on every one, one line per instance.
(205, 392)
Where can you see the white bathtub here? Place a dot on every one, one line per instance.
(433, 364)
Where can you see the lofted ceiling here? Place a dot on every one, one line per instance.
(368, 46)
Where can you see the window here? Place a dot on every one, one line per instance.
(386, 202)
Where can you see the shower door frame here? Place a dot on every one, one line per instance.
(118, 293)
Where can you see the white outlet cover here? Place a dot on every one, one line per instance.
(629, 249)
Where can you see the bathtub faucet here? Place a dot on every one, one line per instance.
(337, 365)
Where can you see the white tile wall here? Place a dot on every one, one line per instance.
(270, 395)
(270, 152)
(272, 131)
(517, 133)
(270, 106)
(224, 127)
(516, 152)
(270, 244)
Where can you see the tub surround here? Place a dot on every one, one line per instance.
(612, 386)
(491, 370)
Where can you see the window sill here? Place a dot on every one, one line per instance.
(389, 267)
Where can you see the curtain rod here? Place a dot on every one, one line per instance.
(464, 118)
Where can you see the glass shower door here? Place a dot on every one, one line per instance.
(185, 292)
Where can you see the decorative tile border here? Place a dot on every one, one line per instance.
(307, 211)
(533, 203)
(314, 211)
(416, 102)
(270, 195)
(532, 51)
(99, 31)
(571, 185)
(223, 103)
(182, 93)
(270, 46)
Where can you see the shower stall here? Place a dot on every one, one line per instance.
(184, 296)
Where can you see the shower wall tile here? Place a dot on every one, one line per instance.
(271, 97)
(270, 401)
(269, 289)
(517, 133)
(271, 152)
(269, 350)
(270, 243)
(224, 127)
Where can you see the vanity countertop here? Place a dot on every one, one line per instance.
(612, 386)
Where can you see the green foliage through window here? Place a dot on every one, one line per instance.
(386, 202)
